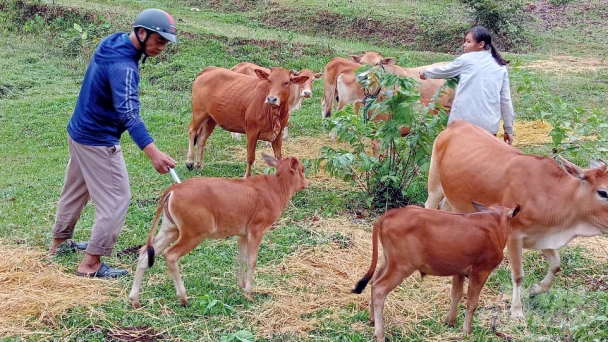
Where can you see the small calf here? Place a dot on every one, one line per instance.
(437, 243)
(215, 208)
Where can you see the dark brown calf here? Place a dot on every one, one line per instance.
(437, 243)
(216, 208)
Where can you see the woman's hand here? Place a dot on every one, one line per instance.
(421, 74)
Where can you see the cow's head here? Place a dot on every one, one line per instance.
(591, 196)
(372, 58)
(306, 87)
(289, 169)
(279, 83)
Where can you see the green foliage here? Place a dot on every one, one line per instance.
(507, 19)
(392, 179)
(438, 32)
(239, 336)
(579, 132)
(559, 2)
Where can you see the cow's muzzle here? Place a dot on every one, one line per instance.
(273, 101)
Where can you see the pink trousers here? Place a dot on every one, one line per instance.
(98, 173)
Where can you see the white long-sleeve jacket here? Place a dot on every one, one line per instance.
(483, 93)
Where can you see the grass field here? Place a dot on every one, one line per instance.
(321, 245)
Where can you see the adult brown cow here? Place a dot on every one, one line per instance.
(298, 93)
(342, 66)
(558, 203)
(256, 106)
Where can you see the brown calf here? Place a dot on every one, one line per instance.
(437, 243)
(216, 208)
(257, 106)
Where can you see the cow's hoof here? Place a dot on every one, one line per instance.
(136, 304)
(183, 301)
(534, 290)
(189, 166)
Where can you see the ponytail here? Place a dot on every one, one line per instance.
(482, 34)
(497, 57)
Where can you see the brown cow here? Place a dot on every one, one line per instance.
(437, 243)
(298, 93)
(559, 203)
(341, 66)
(256, 106)
(216, 208)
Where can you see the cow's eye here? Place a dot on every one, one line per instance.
(286, 84)
(603, 194)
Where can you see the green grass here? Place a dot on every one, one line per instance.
(39, 84)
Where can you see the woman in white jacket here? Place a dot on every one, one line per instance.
(483, 95)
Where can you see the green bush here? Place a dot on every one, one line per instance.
(397, 176)
(507, 19)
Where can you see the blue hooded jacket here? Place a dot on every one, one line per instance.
(108, 103)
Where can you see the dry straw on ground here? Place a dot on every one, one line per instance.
(35, 292)
(568, 64)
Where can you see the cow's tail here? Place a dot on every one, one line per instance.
(162, 205)
(372, 268)
(329, 93)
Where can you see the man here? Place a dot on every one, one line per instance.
(108, 104)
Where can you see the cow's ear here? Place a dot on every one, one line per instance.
(293, 165)
(299, 79)
(388, 61)
(480, 208)
(294, 72)
(270, 160)
(356, 59)
(319, 75)
(600, 165)
(571, 168)
(261, 74)
(514, 211)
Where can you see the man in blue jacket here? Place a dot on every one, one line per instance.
(108, 105)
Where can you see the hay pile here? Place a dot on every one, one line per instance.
(321, 278)
(568, 64)
(35, 293)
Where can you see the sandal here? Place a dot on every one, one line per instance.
(104, 271)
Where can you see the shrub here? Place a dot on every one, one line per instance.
(507, 19)
(398, 177)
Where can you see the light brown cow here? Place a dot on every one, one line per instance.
(437, 243)
(216, 208)
(349, 87)
(341, 66)
(559, 203)
(298, 93)
(257, 106)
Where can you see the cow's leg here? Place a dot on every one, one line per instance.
(276, 147)
(476, 282)
(457, 288)
(390, 279)
(242, 260)
(207, 128)
(435, 190)
(172, 255)
(286, 133)
(515, 250)
(167, 233)
(253, 244)
(545, 285)
(252, 140)
(193, 131)
(376, 148)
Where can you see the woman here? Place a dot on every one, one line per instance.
(483, 94)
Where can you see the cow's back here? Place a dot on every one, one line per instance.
(472, 164)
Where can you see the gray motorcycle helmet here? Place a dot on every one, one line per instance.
(158, 21)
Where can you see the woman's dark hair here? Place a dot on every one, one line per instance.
(482, 34)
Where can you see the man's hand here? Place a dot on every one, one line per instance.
(161, 161)
(421, 74)
(508, 138)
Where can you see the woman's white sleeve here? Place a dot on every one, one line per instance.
(506, 106)
(452, 69)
